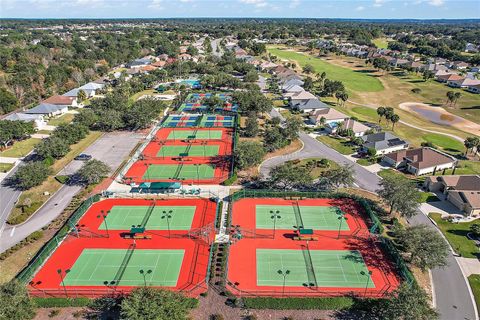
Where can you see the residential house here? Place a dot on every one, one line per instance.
(62, 101)
(396, 62)
(383, 142)
(37, 119)
(293, 81)
(293, 88)
(298, 97)
(474, 88)
(357, 128)
(159, 63)
(329, 115)
(310, 105)
(470, 47)
(90, 89)
(463, 83)
(47, 110)
(184, 57)
(444, 78)
(458, 65)
(414, 65)
(138, 63)
(463, 191)
(162, 57)
(420, 161)
(268, 65)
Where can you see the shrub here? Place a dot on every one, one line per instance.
(53, 313)
(416, 90)
(230, 180)
(62, 179)
(61, 302)
(216, 317)
(298, 303)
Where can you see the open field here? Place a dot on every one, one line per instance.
(20, 148)
(381, 43)
(353, 80)
(456, 234)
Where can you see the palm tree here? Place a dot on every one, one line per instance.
(394, 118)
(456, 96)
(344, 98)
(450, 96)
(470, 143)
(321, 77)
(381, 113)
(338, 95)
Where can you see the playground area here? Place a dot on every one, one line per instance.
(305, 247)
(119, 244)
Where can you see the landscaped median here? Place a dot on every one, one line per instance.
(456, 234)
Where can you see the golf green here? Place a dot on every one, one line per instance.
(292, 216)
(100, 267)
(318, 268)
(125, 217)
(192, 151)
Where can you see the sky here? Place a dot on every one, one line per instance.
(364, 9)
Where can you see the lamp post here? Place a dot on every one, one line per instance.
(144, 274)
(367, 274)
(60, 274)
(104, 216)
(284, 274)
(146, 171)
(162, 144)
(275, 215)
(167, 215)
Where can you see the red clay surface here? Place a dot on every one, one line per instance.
(242, 257)
(194, 267)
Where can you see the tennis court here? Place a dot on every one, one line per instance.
(314, 268)
(295, 216)
(188, 150)
(194, 134)
(121, 267)
(180, 171)
(150, 217)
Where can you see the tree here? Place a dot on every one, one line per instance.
(81, 96)
(92, 172)
(380, 64)
(251, 76)
(251, 126)
(30, 175)
(14, 130)
(87, 117)
(450, 96)
(14, 302)
(308, 68)
(321, 79)
(394, 119)
(475, 229)
(408, 302)
(341, 176)
(248, 154)
(456, 97)
(331, 87)
(371, 152)
(381, 113)
(8, 101)
(427, 74)
(287, 176)
(54, 147)
(146, 303)
(425, 246)
(273, 139)
(293, 125)
(400, 194)
(470, 143)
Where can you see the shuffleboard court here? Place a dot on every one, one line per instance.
(173, 171)
(291, 216)
(195, 134)
(126, 217)
(318, 268)
(96, 266)
(193, 151)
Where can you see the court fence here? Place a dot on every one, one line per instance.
(39, 259)
(376, 227)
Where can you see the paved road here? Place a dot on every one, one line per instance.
(111, 148)
(8, 198)
(452, 296)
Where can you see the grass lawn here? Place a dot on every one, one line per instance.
(428, 197)
(317, 170)
(285, 113)
(353, 80)
(66, 118)
(465, 167)
(397, 174)
(20, 148)
(446, 143)
(51, 185)
(340, 145)
(366, 111)
(137, 95)
(365, 162)
(5, 167)
(474, 281)
(266, 75)
(381, 43)
(456, 234)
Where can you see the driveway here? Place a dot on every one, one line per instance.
(112, 148)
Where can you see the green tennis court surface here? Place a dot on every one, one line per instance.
(194, 151)
(173, 171)
(310, 217)
(95, 266)
(194, 134)
(125, 217)
(319, 268)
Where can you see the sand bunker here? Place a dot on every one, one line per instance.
(440, 116)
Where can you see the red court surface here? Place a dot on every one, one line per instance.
(164, 133)
(242, 264)
(194, 266)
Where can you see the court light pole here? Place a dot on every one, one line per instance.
(146, 171)
(144, 274)
(162, 144)
(167, 216)
(60, 274)
(341, 217)
(284, 274)
(275, 215)
(104, 216)
(367, 274)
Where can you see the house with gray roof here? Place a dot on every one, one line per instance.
(310, 105)
(292, 82)
(47, 109)
(37, 119)
(383, 142)
(90, 90)
(138, 63)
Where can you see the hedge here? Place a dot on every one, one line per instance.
(61, 302)
(230, 180)
(299, 303)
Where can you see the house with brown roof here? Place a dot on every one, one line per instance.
(62, 101)
(445, 77)
(463, 83)
(463, 191)
(420, 161)
(159, 63)
(329, 115)
(357, 128)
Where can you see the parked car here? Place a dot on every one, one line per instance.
(83, 157)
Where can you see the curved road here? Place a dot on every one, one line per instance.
(452, 294)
